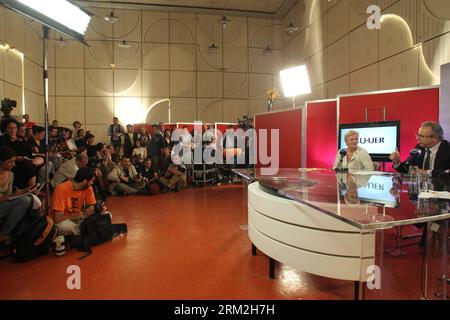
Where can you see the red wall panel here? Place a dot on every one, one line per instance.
(289, 124)
(321, 139)
(222, 127)
(410, 107)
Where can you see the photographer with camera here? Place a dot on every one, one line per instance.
(73, 201)
(125, 180)
(149, 176)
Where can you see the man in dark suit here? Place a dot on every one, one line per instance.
(434, 157)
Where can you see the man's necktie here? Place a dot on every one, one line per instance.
(426, 163)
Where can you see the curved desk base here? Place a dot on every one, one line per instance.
(307, 239)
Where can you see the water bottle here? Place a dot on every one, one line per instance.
(60, 247)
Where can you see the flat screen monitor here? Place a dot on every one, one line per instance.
(379, 138)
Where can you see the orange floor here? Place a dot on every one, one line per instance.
(187, 245)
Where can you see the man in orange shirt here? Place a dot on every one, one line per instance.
(74, 200)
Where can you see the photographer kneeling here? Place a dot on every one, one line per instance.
(74, 200)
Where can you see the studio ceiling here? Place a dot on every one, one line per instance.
(266, 8)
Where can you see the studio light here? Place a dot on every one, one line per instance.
(65, 17)
(60, 15)
(295, 81)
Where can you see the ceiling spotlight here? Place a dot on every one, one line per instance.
(224, 21)
(213, 47)
(268, 50)
(124, 45)
(290, 29)
(111, 18)
(61, 42)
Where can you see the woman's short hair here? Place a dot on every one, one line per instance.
(6, 153)
(350, 133)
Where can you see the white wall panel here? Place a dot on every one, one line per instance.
(235, 85)
(209, 84)
(70, 55)
(127, 58)
(183, 110)
(99, 110)
(99, 82)
(69, 109)
(182, 57)
(183, 28)
(155, 56)
(209, 110)
(69, 82)
(155, 83)
(127, 83)
(183, 84)
(234, 109)
(400, 71)
(155, 26)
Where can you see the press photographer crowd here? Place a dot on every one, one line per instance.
(81, 174)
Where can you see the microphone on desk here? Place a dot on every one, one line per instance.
(414, 156)
(339, 168)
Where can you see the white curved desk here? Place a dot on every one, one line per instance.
(308, 240)
(305, 221)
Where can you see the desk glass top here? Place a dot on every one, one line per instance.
(367, 201)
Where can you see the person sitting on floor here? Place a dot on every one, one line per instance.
(72, 201)
(172, 176)
(124, 179)
(69, 169)
(139, 153)
(149, 176)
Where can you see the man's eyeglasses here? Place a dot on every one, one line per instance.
(422, 137)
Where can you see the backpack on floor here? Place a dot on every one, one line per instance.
(96, 229)
(33, 236)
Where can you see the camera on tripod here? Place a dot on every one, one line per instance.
(8, 105)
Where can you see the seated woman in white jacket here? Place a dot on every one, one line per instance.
(357, 158)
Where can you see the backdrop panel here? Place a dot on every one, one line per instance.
(321, 139)
(289, 124)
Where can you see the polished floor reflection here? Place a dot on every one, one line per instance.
(189, 245)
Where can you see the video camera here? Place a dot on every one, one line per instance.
(6, 108)
(245, 123)
(8, 105)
